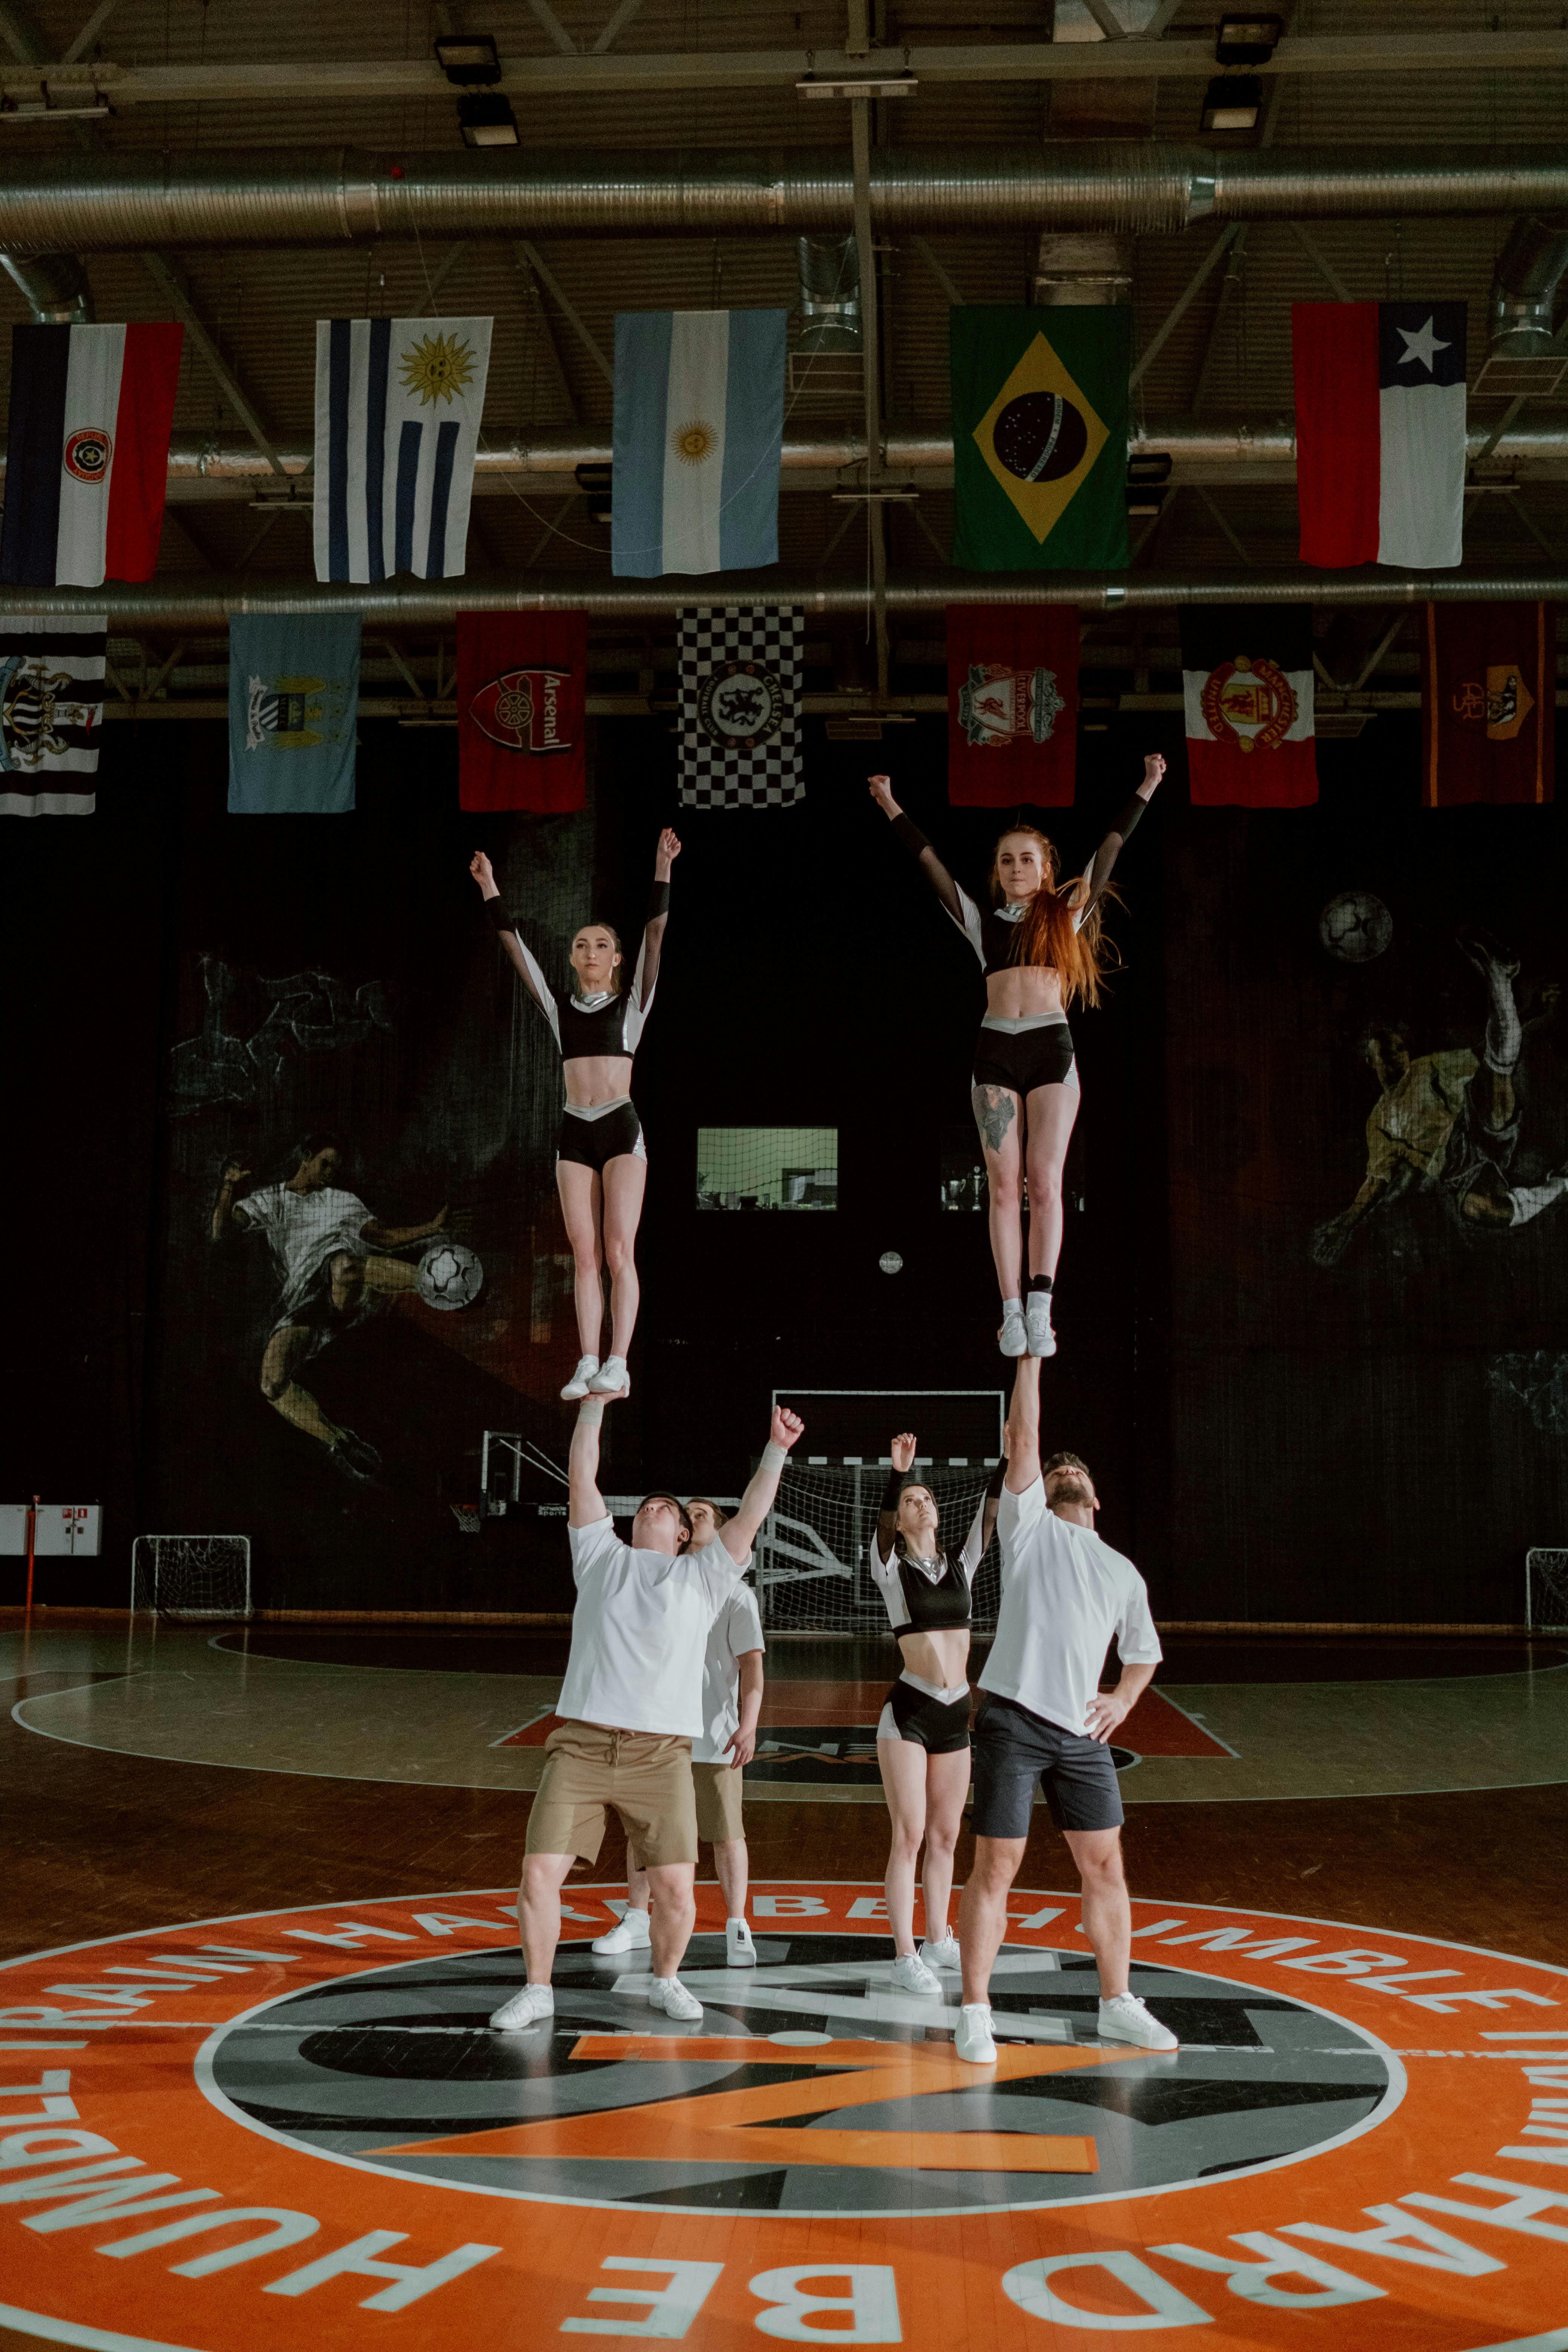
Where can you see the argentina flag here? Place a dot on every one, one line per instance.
(398, 408)
(699, 431)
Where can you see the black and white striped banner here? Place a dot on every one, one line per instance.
(51, 716)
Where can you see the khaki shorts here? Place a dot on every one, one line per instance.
(642, 1777)
(718, 1788)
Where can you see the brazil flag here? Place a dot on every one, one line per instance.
(1040, 438)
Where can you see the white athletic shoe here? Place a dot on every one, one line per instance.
(1038, 1324)
(631, 1933)
(912, 1975)
(576, 1387)
(1014, 1337)
(532, 2005)
(1125, 2019)
(612, 1379)
(670, 1995)
(972, 2041)
(740, 1952)
(943, 1955)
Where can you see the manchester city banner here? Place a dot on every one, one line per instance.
(51, 715)
(1012, 705)
(398, 408)
(521, 695)
(739, 706)
(1040, 438)
(293, 700)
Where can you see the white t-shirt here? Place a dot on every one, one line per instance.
(639, 1632)
(737, 1630)
(1064, 1594)
(303, 1230)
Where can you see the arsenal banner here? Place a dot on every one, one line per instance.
(1246, 681)
(1012, 705)
(1488, 693)
(522, 711)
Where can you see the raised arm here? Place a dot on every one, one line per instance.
(984, 1525)
(223, 1216)
(1100, 865)
(1023, 1427)
(736, 1534)
(902, 1450)
(528, 970)
(585, 1503)
(644, 980)
(954, 901)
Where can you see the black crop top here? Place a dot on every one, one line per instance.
(918, 1600)
(611, 1023)
(990, 934)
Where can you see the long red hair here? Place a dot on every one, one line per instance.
(1046, 934)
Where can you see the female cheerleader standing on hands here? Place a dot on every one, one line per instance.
(922, 1740)
(602, 1164)
(1039, 948)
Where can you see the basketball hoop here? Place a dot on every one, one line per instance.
(468, 1518)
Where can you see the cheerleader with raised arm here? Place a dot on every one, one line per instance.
(600, 1164)
(1040, 949)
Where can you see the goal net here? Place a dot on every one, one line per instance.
(191, 1576)
(1546, 1591)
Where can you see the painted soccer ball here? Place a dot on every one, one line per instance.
(449, 1276)
(1355, 927)
(891, 1262)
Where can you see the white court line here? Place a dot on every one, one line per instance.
(68, 2331)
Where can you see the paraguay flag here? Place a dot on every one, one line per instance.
(698, 434)
(1379, 432)
(398, 408)
(88, 453)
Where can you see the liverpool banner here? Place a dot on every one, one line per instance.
(1012, 705)
(1246, 680)
(1040, 438)
(522, 702)
(1488, 693)
(739, 706)
(51, 715)
(293, 703)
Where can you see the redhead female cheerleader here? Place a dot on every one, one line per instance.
(1040, 950)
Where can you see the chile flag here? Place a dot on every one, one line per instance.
(1379, 432)
(88, 456)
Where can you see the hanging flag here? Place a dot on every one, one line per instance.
(1246, 680)
(1040, 438)
(88, 453)
(51, 714)
(698, 437)
(740, 706)
(1379, 432)
(398, 408)
(1489, 697)
(521, 711)
(293, 698)
(1012, 705)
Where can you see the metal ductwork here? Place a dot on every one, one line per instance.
(830, 295)
(54, 286)
(101, 204)
(1524, 287)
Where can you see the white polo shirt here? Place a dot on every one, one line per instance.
(1064, 1594)
(639, 1632)
(737, 1630)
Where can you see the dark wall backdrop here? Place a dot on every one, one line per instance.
(1373, 1439)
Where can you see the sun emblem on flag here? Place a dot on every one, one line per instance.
(694, 443)
(438, 367)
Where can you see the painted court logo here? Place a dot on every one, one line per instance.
(297, 2130)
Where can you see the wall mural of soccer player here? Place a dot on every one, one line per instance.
(1449, 1123)
(328, 1251)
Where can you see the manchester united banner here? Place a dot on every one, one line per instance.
(739, 706)
(1040, 438)
(1012, 705)
(522, 705)
(1246, 680)
(1488, 681)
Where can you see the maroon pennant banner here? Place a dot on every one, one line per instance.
(1489, 698)
(522, 711)
(1012, 705)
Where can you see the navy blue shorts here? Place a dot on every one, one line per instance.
(1014, 1748)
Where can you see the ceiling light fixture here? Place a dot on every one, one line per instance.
(470, 62)
(1248, 40)
(1233, 102)
(486, 120)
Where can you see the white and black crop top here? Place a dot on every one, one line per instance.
(931, 1596)
(992, 933)
(613, 1020)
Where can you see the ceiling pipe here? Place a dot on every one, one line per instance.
(54, 286)
(1528, 272)
(127, 202)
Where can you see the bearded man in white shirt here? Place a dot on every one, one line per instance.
(631, 1705)
(1044, 1719)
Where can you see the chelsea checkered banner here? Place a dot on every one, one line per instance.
(739, 706)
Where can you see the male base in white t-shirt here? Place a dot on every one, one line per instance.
(632, 1706)
(1045, 1721)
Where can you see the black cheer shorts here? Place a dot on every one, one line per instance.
(1024, 1059)
(592, 1142)
(1014, 1748)
(941, 1727)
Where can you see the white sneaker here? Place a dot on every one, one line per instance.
(670, 1995)
(740, 1952)
(1125, 2019)
(631, 1933)
(972, 2041)
(912, 1975)
(1038, 1324)
(612, 1379)
(530, 2007)
(943, 1955)
(576, 1387)
(1013, 1338)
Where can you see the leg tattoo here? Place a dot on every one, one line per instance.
(995, 1111)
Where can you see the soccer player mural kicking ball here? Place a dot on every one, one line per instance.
(325, 1245)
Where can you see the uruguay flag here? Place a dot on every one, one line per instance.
(698, 433)
(87, 458)
(398, 408)
(1379, 432)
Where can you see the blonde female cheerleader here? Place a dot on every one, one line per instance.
(600, 1163)
(1039, 948)
(922, 1740)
